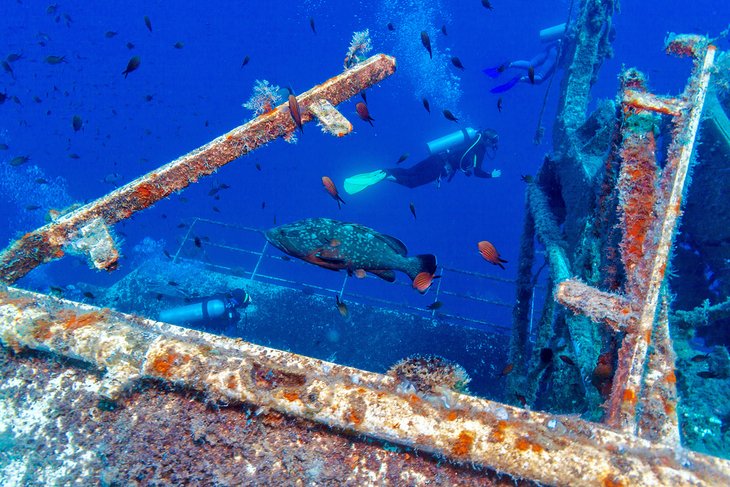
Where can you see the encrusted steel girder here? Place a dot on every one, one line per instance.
(47, 243)
(650, 201)
(556, 450)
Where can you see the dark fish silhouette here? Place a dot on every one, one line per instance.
(19, 160)
(130, 45)
(198, 242)
(390, 26)
(413, 209)
(296, 114)
(426, 41)
(12, 57)
(443, 30)
(56, 59)
(77, 123)
(434, 306)
(245, 61)
(132, 65)
(487, 4)
(450, 116)
(337, 245)
(148, 23)
(402, 158)
(364, 96)
(311, 25)
(426, 105)
(342, 308)
(178, 45)
(8, 69)
(109, 34)
(531, 74)
(499, 104)
(364, 113)
(457, 63)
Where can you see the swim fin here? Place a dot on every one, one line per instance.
(357, 183)
(505, 87)
(495, 71)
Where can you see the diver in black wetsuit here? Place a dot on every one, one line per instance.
(461, 151)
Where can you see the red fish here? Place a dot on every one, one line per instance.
(507, 369)
(364, 113)
(490, 254)
(296, 115)
(332, 190)
(422, 281)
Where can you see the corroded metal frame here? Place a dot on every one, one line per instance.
(547, 448)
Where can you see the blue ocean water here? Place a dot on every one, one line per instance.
(190, 86)
(195, 94)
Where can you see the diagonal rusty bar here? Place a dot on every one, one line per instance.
(659, 421)
(46, 243)
(551, 449)
(632, 355)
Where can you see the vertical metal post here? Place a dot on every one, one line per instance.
(438, 290)
(187, 235)
(258, 262)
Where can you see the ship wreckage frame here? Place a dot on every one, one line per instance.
(602, 206)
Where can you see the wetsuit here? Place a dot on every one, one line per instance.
(446, 164)
(544, 65)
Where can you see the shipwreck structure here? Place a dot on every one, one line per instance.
(138, 401)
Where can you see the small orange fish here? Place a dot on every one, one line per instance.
(490, 254)
(422, 281)
(507, 369)
(296, 114)
(364, 113)
(332, 190)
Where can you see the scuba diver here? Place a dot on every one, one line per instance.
(461, 151)
(540, 67)
(216, 313)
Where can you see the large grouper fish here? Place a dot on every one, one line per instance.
(356, 248)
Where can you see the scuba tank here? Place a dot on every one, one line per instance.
(214, 308)
(451, 141)
(553, 33)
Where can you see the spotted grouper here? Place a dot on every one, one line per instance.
(353, 247)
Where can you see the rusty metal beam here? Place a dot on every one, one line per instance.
(650, 200)
(556, 450)
(47, 243)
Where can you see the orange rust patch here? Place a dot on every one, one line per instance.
(629, 396)
(58, 253)
(612, 482)
(414, 399)
(232, 382)
(354, 417)
(145, 194)
(42, 330)
(72, 321)
(525, 444)
(671, 378)
(647, 336)
(451, 416)
(464, 443)
(669, 408)
(163, 364)
(291, 395)
(498, 432)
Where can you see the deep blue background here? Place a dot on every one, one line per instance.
(197, 92)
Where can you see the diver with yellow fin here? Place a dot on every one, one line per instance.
(460, 151)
